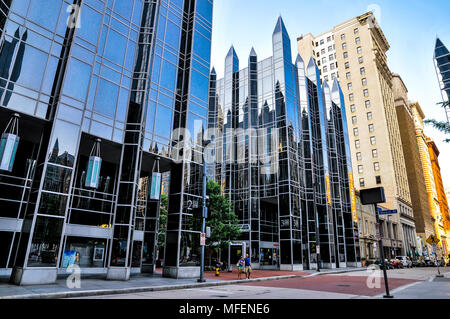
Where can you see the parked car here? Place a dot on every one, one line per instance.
(380, 264)
(405, 260)
(396, 263)
(429, 262)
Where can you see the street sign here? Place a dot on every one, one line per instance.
(208, 231)
(387, 212)
(433, 240)
(202, 239)
(318, 249)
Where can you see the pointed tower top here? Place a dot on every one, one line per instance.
(440, 49)
(325, 85)
(213, 71)
(231, 52)
(336, 85)
(280, 27)
(252, 52)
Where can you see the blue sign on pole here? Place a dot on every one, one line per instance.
(387, 212)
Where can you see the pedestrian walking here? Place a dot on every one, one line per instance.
(240, 266)
(248, 266)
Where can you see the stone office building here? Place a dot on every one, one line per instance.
(92, 97)
(282, 155)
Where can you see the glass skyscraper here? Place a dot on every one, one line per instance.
(282, 155)
(101, 83)
(442, 63)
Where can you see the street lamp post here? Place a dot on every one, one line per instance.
(204, 216)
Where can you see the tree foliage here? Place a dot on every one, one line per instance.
(221, 218)
(162, 220)
(443, 127)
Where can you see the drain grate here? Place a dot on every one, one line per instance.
(343, 285)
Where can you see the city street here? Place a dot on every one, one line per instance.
(404, 283)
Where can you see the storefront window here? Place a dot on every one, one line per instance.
(45, 244)
(189, 249)
(84, 252)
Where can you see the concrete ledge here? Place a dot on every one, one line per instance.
(122, 274)
(33, 276)
(103, 292)
(295, 267)
(181, 272)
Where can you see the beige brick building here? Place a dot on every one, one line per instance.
(359, 47)
(405, 115)
(427, 168)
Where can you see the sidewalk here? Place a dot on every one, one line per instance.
(139, 283)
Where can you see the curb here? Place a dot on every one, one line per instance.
(103, 292)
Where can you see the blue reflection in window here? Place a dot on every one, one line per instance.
(45, 12)
(172, 34)
(163, 118)
(199, 85)
(50, 75)
(161, 28)
(131, 51)
(178, 3)
(19, 102)
(204, 8)
(29, 67)
(202, 46)
(137, 12)
(124, 8)
(20, 7)
(77, 79)
(106, 99)
(168, 76)
(122, 106)
(115, 48)
(90, 25)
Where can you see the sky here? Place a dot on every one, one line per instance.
(410, 26)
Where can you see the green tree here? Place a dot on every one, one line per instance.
(439, 125)
(221, 218)
(162, 221)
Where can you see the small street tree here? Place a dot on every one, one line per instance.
(443, 127)
(162, 223)
(222, 220)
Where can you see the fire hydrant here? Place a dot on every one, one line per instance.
(217, 270)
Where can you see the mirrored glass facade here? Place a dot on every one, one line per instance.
(133, 73)
(442, 63)
(282, 156)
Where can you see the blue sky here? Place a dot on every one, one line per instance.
(410, 26)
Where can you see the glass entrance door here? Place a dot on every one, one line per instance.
(268, 258)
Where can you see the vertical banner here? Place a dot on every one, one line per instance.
(155, 189)
(327, 179)
(93, 171)
(8, 149)
(352, 196)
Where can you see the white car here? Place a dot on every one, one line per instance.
(405, 260)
